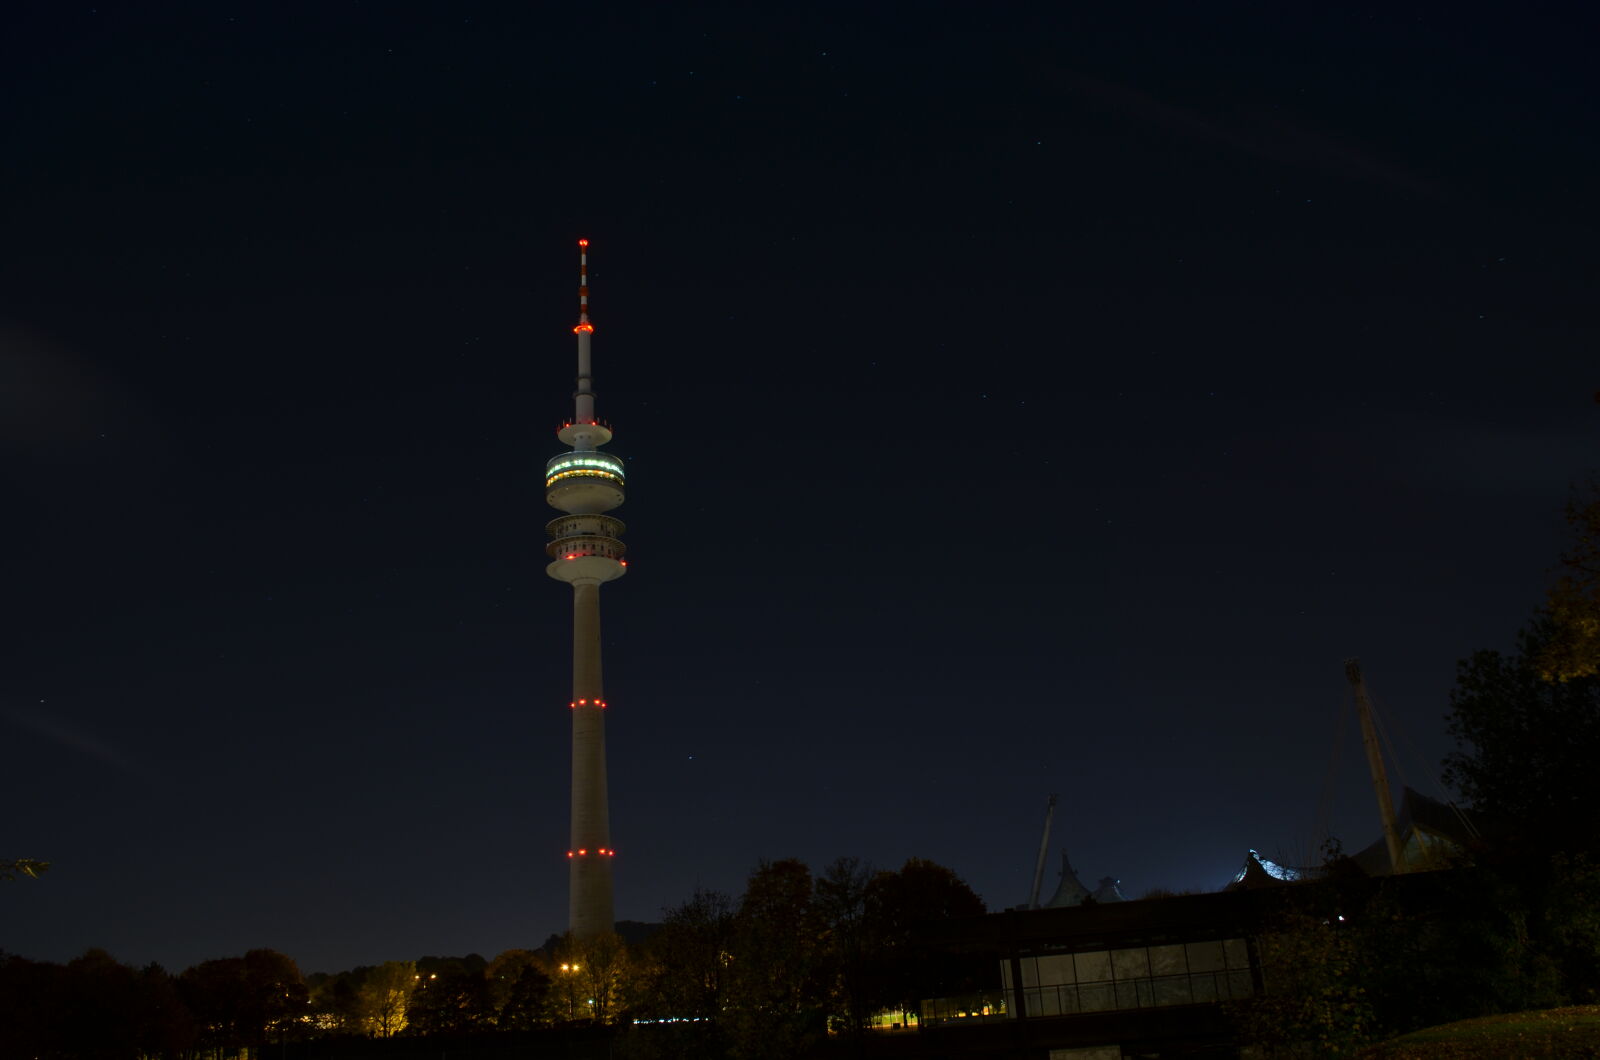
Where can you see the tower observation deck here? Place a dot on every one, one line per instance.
(586, 551)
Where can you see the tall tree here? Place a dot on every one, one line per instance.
(275, 996)
(102, 1008)
(902, 969)
(683, 972)
(32, 1007)
(166, 1027)
(451, 996)
(690, 957)
(94, 1008)
(777, 995)
(519, 990)
(1527, 746)
(336, 1003)
(214, 991)
(1573, 648)
(841, 900)
(385, 995)
(593, 978)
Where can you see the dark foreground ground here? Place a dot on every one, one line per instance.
(1573, 1031)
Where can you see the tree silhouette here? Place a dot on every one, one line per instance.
(1573, 648)
(1528, 745)
(777, 995)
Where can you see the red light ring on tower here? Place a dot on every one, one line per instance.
(576, 703)
(604, 852)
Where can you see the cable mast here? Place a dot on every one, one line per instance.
(1380, 779)
(1044, 847)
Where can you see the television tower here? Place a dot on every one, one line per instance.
(585, 552)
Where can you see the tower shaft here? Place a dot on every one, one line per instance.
(589, 897)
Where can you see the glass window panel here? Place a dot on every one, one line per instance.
(1205, 956)
(1046, 1002)
(1056, 969)
(1005, 974)
(1093, 967)
(1099, 998)
(1173, 991)
(1030, 972)
(1127, 995)
(1167, 960)
(1204, 987)
(1069, 999)
(1239, 984)
(1237, 952)
(1130, 963)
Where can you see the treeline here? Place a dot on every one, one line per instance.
(94, 1007)
(1516, 925)
(1351, 960)
(768, 974)
(762, 975)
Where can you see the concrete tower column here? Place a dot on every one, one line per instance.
(589, 902)
(586, 680)
(586, 551)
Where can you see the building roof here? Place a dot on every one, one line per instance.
(1431, 833)
(1071, 891)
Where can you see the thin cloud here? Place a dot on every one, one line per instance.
(76, 739)
(1264, 136)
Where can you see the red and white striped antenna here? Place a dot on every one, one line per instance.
(583, 397)
(583, 287)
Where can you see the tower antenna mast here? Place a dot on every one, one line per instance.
(1044, 846)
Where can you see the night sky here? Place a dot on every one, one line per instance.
(1040, 398)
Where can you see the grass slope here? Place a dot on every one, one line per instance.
(1549, 1032)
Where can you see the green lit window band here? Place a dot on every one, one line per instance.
(587, 473)
(595, 460)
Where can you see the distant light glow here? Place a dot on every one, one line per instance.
(584, 328)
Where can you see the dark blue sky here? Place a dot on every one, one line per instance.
(1017, 401)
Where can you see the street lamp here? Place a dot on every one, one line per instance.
(570, 969)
